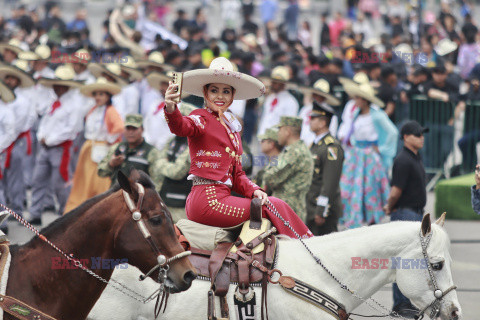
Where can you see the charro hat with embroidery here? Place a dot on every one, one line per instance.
(111, 69)
(222, 71)
(130, 67)
(322, 88)
(133, 120)
(6, 94)
(270, 134)
(101, 84)
(42, 52)
(13, 45)
(64, 76)
(321, 110)
(365, 91)
(290, 121)
(155, 59)
(19, 70)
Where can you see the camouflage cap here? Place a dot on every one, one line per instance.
(134, 120)
(270, 134)
(290, 121)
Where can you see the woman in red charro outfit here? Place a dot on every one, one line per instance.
(216, 148)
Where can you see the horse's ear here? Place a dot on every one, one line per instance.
(441, 220)
(124, 182)
(426, 224)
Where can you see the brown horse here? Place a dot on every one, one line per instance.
(102, 227)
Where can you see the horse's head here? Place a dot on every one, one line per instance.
(430, 287)
(146, 235)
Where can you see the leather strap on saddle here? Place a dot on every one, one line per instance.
(220, 277)
(256, 214)
(21, 310)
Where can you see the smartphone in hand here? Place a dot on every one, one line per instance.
(177, 78)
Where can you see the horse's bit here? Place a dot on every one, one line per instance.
(439, 294)
(163, 262)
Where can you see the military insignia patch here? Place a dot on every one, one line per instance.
(332, 153)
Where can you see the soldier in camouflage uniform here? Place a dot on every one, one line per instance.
(271, 149)
(135, 152)
(291, 178)
(324, 203)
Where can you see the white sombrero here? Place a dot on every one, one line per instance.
(101, 84)
(155, 59)
(42, 52)
(6, 94)
(445, 46)
(278, 74)
(130, 67)
(112, 69)
(221, 71)
(64, 76)
(18, 70)
(365, 91)
(358, 78)
(322, 88)
(13, 45)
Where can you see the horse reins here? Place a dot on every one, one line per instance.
(439, 294)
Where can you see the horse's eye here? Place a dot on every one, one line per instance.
(157, 220)
(437, 266)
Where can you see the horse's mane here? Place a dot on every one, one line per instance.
(60, 223)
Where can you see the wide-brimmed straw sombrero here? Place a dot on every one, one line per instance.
(221, 71)
(42, 52)
(6, 94)
(445, 46)
(155, 59)
(278, 74)
(64, 76)
(365, 91)
(130, 67)
(358, 78)
(112, 69)
(13, 45)
(101, 84)
(322, 88)
(19, 70)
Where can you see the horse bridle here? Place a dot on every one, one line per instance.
(163, 262)
(438, 294)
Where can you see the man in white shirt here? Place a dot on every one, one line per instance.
(19, 82)
(320, 93)
(7, 137)
(131, 92)
(53, 161)
(157, 132)
(279, 102)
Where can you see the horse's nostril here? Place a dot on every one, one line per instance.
(189, 276)
(455, 314)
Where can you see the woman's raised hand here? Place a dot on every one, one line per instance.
(170, 96)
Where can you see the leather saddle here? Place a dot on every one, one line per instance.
(243, 262)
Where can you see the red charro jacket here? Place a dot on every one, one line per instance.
(215, 151)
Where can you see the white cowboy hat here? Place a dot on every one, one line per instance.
(130, 67)
(445, 46)
(64, 76)
(42, 52)
(221, 71)
(6, 94)
(101, 84)
(112, 69)
(18, 70)
(358, 78)
(13, 45)
(365, 91)
(322, 88)
(155, 59)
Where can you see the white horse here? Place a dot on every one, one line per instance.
(339, 252)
